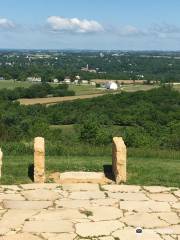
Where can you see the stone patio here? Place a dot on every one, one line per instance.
(89, 211)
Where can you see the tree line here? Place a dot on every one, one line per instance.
(144, 119)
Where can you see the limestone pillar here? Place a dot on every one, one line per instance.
(1, 158)
(119, 159)
(39, 160)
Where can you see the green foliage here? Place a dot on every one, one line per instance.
(36, 91)
(92, 132)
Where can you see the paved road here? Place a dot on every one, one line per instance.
(89, 211)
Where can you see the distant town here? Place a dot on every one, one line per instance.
(104, 69)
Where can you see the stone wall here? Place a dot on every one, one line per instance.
(119, 159)
(39, 160)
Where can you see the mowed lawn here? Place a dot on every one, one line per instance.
(142, 171)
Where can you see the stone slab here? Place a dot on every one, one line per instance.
(41, 194)
(27, 204)
(60, 226)
(95, 229)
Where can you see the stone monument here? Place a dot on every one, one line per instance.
(119, 159)
(39, 160)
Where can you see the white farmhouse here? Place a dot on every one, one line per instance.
(85, 82)
(55, 80)
(34, 79)
(111, 86)
(67, 80)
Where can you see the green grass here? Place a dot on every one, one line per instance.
(11, 84)
(137, 87)
(176, 87)
(143, 171)
(85, 89)
(79, 89)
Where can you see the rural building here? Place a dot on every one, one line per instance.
(55, 80)
(77, 77)
(92, 83)
(111, 86)
(76, 81)
(87, 69)
(34, 79)
(67, 80)
(85, 82)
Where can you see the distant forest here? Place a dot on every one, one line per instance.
(156, 66)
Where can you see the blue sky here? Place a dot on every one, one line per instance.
(90, 24)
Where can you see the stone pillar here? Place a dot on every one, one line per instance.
(39, 160)
(1, 158)
(119, 159)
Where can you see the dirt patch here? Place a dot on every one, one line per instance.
(53, 100)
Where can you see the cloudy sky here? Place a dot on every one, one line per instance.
(90, 24)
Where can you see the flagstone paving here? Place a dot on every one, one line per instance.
(89, 211)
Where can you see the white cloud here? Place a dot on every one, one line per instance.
(6, 23)
(130, 30)
(73, 25)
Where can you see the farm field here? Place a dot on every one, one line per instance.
(11, 84)
(85, 89)
(176, 87)
(52, 100)
(142, 171)
(138, 87)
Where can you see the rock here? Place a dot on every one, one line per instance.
(144, 220)
(14, 218)
(41, 194)
(81, 187)
(83, 177)
(59, 214)
(177, 193)
(69, 203)
(163, 197)
(105, 202)
(11, 196)
(130, 234)
(156, 189)
(39, 160)
(176, 206)
(48, 226)
(175, 229)
(104, 213)
(121, 188)
(106, 238)
(128, 196)
(27, 204)
(119, 159)
(60, 236)
(20, 236)
(145, 206)
(95, 229)
(87, 195)
(167, 237)
(170, 217)
(40, 186)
